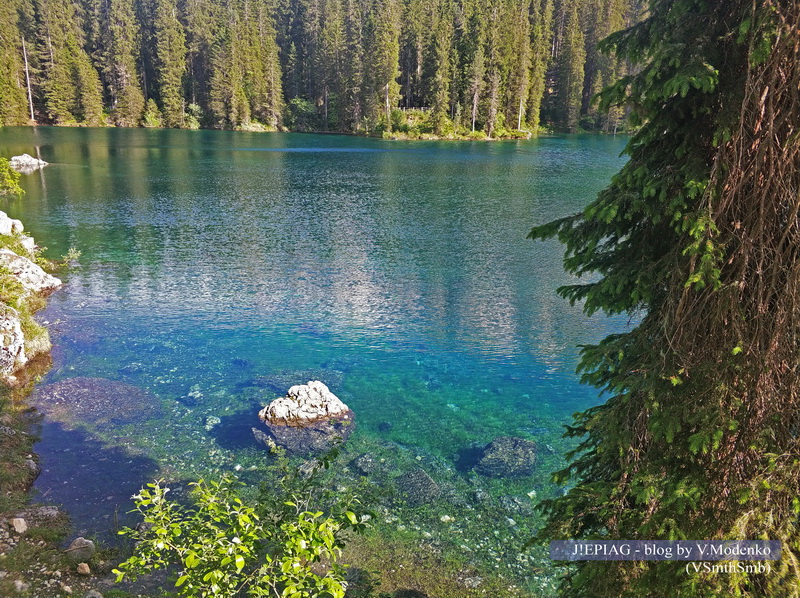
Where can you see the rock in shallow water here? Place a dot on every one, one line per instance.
(310, 418)
(507, 456)
(26, 163)
(418, 487)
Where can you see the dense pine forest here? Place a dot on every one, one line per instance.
(443, 67)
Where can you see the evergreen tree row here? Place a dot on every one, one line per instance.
(489, 67)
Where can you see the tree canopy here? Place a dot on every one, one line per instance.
(491, 66)
(697, 236)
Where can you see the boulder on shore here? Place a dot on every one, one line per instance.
(26, 164)
(309, 419)
(32, 278)
(507, 456)
(12, 341)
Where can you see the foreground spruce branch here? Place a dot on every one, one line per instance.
(698, 234)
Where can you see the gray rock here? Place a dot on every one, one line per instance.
(507, 456)
(417, 487)
(309, 419)
(31, 276)
(263, 438)
(481, 495)
(93, 594)
(80, 550)
(517, 505)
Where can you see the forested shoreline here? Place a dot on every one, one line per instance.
(496, 68)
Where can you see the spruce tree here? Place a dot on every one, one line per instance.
(519, 63)
(351, 108)
(384, 57)
(71, 84)
(541, 43)
(698, 235)
(169, 53)
(13, 97)
(119, 63)
(571, 61)
(440, 70)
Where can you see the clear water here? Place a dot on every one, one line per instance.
(399, 273)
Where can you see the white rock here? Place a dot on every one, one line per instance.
(28, 243)
(7, 224)
(305, 403)
(26, 164)
(12, 341)
(31, 276)
(19, 525)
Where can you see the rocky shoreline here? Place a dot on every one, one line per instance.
(32, 562)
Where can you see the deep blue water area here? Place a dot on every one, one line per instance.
(217, 267)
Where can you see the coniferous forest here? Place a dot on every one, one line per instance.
(468, 67)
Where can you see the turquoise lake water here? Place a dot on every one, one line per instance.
(218, 266)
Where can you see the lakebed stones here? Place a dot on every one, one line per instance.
(309, 419)
(95, 400)
(507, 456)
(26, 164)
(417, 487)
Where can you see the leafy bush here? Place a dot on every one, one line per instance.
(223, 547)
(9, 179)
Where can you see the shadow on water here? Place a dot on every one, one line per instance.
(468, 458)
(94, 482)
(234, 432)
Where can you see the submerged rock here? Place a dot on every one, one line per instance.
(417, 487)
(95, 400)
(310, 418)
(365, 464)
(26, 164)
(507, 456)
(32, 278)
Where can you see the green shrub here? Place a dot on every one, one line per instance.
(9, 179)
(152, 115)
(223, 547)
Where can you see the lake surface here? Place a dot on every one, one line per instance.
(218, 267)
